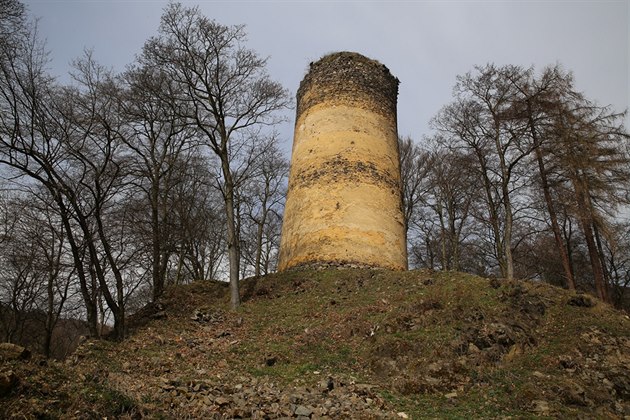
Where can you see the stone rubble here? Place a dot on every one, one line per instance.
(259, 398)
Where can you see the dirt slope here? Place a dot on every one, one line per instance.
(346, 344)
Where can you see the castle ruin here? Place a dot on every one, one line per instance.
(343, 205)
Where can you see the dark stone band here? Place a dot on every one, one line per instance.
(341, 169)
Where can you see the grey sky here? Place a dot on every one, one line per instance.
(426, 44)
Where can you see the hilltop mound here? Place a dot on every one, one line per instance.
(345, 344)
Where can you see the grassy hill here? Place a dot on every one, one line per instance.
(346, 344)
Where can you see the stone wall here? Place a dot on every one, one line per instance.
(351, 79)
(344, 200)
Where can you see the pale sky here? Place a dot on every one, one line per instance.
(426, 44)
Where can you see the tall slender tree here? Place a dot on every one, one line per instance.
(592, 159)
(227, 90)
(161, 143)
(480, 121)
(263, 196)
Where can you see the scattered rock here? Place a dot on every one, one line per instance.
(330, 385)
(529, 304)
(621, 381)
(10, 351)
(207, 316)
(583, 301)
(540, 407)
(567, 363)
(159, 315)
(194, 377)
(515, 351)
(8, 382)
(151, 311)
(494, 333)
(303, 411)
(251, 397)
(574, 394)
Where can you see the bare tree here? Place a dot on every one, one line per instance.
(440, 188)
(547, 159)
(200, 221)
(226, 87)
(91, 131)
(262, 199)
(49, 240)
(21, 280)
(27, 142)
(67, 141)
(35, 279)
(161, 144)
(481, 121)
(618, 260)
(12, 21)
(590, 152)
(453, 189)
(414, 165)
(536, 107)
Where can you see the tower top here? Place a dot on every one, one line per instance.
(349, 78)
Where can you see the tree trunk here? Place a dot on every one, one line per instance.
(259, 241)
(586, 222)
(180, 265)
(116, 305)
(602, 259)
(555, 227)
(567, 234)
(453, 235)
(232, 234)
(598, 274)
(507, 239)
(158, 279)
(90, 304)
(507, 207)
(50, 320)
(494, 218)
(443, 251)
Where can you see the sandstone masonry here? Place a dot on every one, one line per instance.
(343, 206)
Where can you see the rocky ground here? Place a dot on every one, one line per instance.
(343, 344)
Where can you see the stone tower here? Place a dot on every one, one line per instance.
(343, 205)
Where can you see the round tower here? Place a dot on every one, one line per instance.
(343, 205)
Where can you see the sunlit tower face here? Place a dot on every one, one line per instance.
(343, 205)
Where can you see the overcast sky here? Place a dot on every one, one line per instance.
(426, 44)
